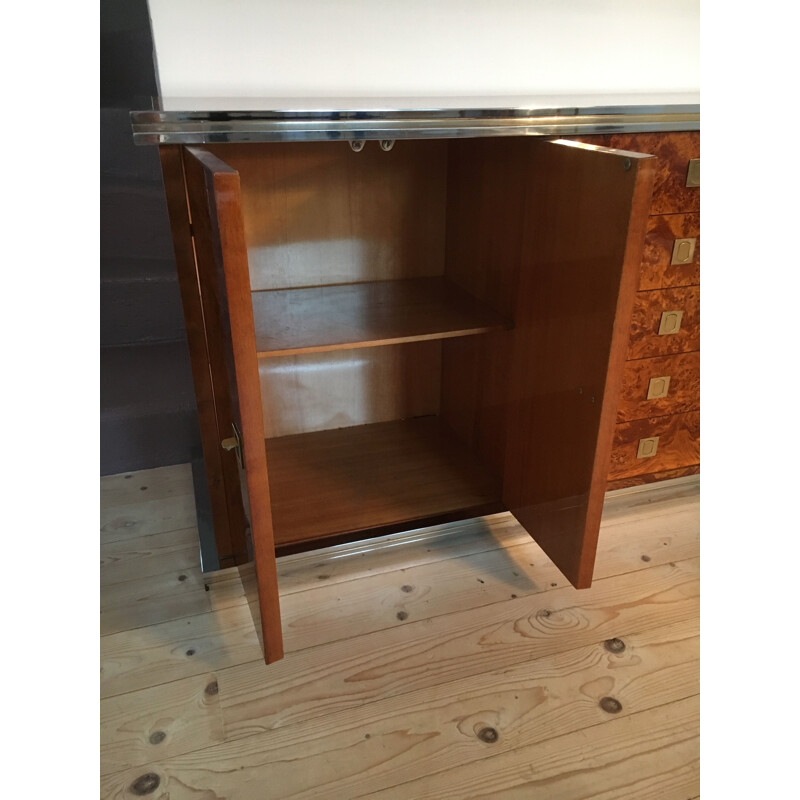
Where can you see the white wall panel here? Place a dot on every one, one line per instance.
(225, 48)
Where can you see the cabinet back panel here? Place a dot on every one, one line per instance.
(318, 213)
(343, 388)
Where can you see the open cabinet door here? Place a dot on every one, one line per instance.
(214, 195)
(584, 226)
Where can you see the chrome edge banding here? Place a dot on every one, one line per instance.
(211, 127)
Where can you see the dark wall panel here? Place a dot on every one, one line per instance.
(147, 410)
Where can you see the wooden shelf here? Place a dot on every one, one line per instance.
(313, 320)
(332, 482)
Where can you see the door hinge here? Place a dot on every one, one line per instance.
(234, 443)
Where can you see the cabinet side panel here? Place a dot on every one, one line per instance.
(215, 202)
(585, 222)
(485, 213)
(212, 411)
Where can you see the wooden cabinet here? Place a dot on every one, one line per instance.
(398, 337)
(657, 434)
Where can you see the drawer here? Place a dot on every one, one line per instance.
(658, 271)
(671, 195)
(678, 445)
(642, 480)
(679, 375)
(649, 312)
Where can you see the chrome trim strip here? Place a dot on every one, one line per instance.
(208, 127)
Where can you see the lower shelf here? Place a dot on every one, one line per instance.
(372, 477)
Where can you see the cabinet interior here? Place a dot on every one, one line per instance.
(382, 287)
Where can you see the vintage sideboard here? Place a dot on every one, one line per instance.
(410, 313)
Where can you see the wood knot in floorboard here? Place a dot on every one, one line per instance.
(614, 645)
(611, 705)
(488, 735)
(145, 784)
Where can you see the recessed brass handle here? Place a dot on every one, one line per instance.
(670, 322)
(230, 443)
(683, 251)
(647, 447)
(658, 387)
(693, 173)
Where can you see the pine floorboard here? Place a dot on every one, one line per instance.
(448, 662)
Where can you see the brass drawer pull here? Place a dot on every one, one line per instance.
(683, 251)
(693, 173)
(658, 387)
(230, 443)
(647, 447)
(670, 322)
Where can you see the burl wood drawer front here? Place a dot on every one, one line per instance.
(678, 445)
(649, 317)
(658, 271)
(679, 375)
(671, 195)
(641, 480)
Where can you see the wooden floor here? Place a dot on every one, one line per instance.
(454, 662)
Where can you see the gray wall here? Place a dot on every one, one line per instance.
(147, 407)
